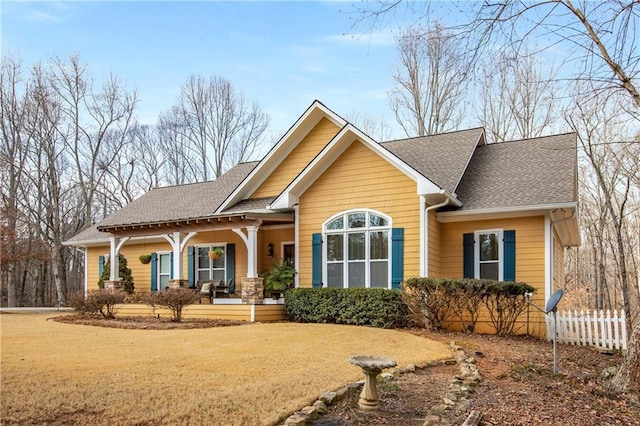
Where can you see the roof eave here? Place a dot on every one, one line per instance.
(494, 212)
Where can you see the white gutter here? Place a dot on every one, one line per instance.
(424, 246)
(452, 214)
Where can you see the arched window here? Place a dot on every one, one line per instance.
(357, 250)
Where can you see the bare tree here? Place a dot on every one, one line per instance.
(430, 81)
(222, 127)
(180, 162)
(520, 97)
(377, 129)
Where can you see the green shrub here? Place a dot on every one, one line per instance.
(432, 301)
(123, 272)
(357, 306)
(174, 299)
(98, 302)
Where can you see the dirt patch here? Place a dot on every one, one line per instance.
(146, 323)
(518, 388)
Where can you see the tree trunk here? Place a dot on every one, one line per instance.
(628, 376)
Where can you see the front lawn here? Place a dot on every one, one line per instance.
(251, 375)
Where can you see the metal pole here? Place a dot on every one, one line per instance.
(555, 365)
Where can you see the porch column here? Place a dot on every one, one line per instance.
(177, 245)
(115, 244)
(251, 242)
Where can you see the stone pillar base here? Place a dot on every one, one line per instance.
(113, 285)
(252, 290)
(178, 283)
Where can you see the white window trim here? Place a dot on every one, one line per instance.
(210, 246)
(287, 243)
(476, 251)
(345, 232)
(158, 269)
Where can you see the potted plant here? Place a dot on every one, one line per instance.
(145, 259)
(216, 253)
(279, 279)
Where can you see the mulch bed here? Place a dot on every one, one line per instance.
(146, 323)
(518, 388)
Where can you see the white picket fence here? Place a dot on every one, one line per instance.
(590, 328)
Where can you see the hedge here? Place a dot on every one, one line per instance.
(357, 306)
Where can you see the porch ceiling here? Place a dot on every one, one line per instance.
(202, 224)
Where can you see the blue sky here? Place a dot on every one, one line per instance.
(281, 54)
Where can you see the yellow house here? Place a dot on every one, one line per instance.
(348, 211)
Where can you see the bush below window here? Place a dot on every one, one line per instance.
(432, 301)
(357, 306)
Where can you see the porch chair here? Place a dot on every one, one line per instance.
(206, 290)
(221, 289)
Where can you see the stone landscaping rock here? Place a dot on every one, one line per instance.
(309, 412)
(295, 420)
(320, 407)
(329, 396)
(431, 420)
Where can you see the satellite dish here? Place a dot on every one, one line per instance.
(554, 300)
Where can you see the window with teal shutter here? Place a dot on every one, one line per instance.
(316, 260)
(191, 272)
(100, 266)
(468, 257)
(154, 271)
(397, 257)
(509, 242)
(231, 266)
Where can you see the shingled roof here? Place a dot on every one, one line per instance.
(440, 158)
(529, 172)
(170, 203)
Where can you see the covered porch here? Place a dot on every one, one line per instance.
(182, 254)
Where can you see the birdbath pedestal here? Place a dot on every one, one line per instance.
(371, 366)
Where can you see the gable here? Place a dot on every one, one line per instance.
(296, 161)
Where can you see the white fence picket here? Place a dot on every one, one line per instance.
(595, 328)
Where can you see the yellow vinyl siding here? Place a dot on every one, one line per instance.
(435, 242)
(530, 261)
(276, 237)
(208, 311)
(298, 159)
(360, 179)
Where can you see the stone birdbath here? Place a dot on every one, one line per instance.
(371, 366)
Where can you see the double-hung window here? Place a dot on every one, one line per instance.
(357, 250)
(208, 268)
(489, 254)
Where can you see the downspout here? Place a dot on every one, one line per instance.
(425, 237)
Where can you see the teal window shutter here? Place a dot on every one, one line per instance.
(509, 250)
(316, 261)
(100, 266)
(397, 257)
(468, 256)
(191, 266)
(154, 272)
(230, 265)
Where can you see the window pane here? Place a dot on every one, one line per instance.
(489, 271)
(379, 274)
(375, 220)
(165, 263)
(218, 275)
(356, 246)
(335, 276)
(203, 257)
(337, 223)
(379, 245)
(356, 274)
(203, 274)
(335, 247)
(489, 246)
(164, 281)
(219, 262)
(357, 220)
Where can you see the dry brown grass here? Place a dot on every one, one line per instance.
(250, 375)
